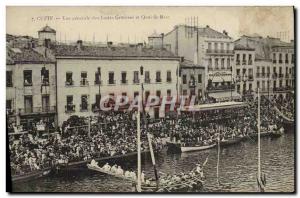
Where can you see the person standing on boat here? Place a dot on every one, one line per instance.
(143, 177)
(119, 171)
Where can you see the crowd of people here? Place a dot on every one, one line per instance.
(114, 133)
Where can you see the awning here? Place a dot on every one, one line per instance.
(225, 96)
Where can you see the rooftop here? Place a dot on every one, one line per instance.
(111, 51)
(47, 29)
(24, 55)
(243, 47)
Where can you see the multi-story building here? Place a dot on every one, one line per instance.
(273, 66)
(244, 58)
(211, 49)
(30, 87)
(192, 80)
(87, 73)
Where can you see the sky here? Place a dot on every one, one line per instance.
(135, 24)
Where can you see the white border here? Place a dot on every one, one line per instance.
(3, 4)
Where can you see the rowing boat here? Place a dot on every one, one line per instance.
(174, 147)
(228, 142)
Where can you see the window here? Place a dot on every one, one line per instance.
(274, 84)
(258, 85)
(227, 47)
(286, 58)
(238, 88)
(70, 107)
(111, 78)
(158, 79)
(250, 59)
(228, 63)
(250, 74)
(97, 78)
(274, 58)
(123, 77)
(222, 63)
(209, 46)
(216, 46)
(27, 78)
(135, 94)
(147, 93)
(45, 76)
(244, 59)
(199, 78)
(45, 103)
(257, 71)
(97, 100)
(292, 61)
(28, 104)
(69, 79)
(136, 77)
(158, 93)
(250, 86)
(169, 92)
(263, 71)
(169, 78)
(84, 80)
(9, 107)
(222, 46)
(280, 58)
(238, 59)
(147, 77)
(9, 82)
(184, 79)
(238, 72)
(244, 72)
(263, 85)
(209, 63)
(216, 63)
(84, 103)
(280, 83)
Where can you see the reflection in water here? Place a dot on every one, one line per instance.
(237, 171)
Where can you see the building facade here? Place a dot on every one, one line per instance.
(80, 87)
(208, 48)
(30, 87)
(273, 65)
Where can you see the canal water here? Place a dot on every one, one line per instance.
(237, 170)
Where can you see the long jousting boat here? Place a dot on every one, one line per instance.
(175, 147)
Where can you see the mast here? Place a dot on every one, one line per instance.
(258, 140)
(218, 161)
(153, 159)
(139, 149)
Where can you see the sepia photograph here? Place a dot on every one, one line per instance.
(150, 99)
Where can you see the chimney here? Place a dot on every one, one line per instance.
(207, 26)
(47, 43)
(79, 44)
(162, 40)
(224, 32)
(109, 43)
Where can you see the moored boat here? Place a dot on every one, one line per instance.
(31, 175)
(231, 141)
(179, 148)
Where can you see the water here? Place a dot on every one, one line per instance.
(237, 170)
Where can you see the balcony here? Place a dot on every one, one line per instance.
(136, 81)
(286, 61)
(257, 75)
(210, 51)
(98, 82)
(95, 107)
(250, 78)
(275, 75)
(221, 88)
(238, 62)
(69, 83)
(274, 61)
(111, 82)
(10, 112)
(69, 108)
(27, 84)
(84, 82)
(37, 110)
(250, 62)
(158, 80)
(282, 89)
(84, 107)
(45, 83)
(244, 62)
(147, 80)
(124, 81)
(9, 84)
(280, 75)
(280, 61)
